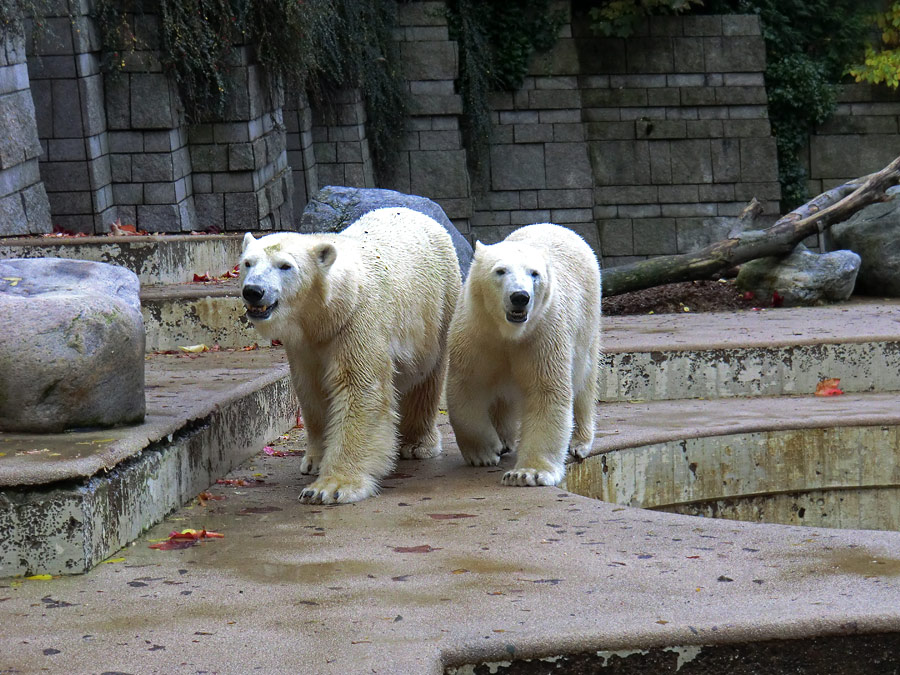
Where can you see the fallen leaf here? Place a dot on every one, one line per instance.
(829, 387)
(40, 577)
(662, 622)
(185, 539)
(117, 229)
(204, 497)
(777, 300)
(194, 349)
(424, 548)
(113, 560)
(240, 482)
(461, 570)
(450, 516)
(13, 281)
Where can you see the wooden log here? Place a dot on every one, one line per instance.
(834, 206)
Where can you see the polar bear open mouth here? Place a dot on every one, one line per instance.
(261, 311)
(517, 315)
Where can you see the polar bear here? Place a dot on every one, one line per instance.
(524, 350)
(363, 316)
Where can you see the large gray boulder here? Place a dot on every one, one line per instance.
(335, 207)
(873, 233)
(71, 345)
(802, 278)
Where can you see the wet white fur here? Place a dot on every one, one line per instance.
(363, 316)
(528, 387)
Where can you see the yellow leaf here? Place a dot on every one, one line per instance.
(13, 281)
(113, 560)
(40, 577)
(195, 349)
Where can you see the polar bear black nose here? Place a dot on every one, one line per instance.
(253, 294)
(519, 298)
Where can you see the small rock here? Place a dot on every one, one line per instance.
(802, 278)
(333, 208)
(71, 345)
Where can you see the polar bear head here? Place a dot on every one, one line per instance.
(513, 280)
(283, 276)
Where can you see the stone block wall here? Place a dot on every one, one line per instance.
(678, 133)
(432, 162)
(24, 208)
(645, 146)
(860, 138)
(67, 87)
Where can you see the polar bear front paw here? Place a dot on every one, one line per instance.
(578, 451)
(310, 464)
(420, 450)
(483, 457)
(527, 477)
(334, 491)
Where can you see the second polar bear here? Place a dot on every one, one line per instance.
(524, 349)
(363, 316)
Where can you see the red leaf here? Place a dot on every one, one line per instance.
(777, 300)
(185, 539)
(748, 295)
(424, 548)
(829, 387)
(202, 277)
(450, 516)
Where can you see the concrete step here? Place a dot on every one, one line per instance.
(177, 315)
(156, 259)
(796, 460)
(67, 501)
(767, 353)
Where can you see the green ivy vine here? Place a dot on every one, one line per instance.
(314, 45)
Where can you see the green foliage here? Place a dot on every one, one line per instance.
(882, 63)
(496, 41)
(620, 18)
(313, 45)
(808, 45)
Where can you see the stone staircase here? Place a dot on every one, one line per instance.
(715, 415)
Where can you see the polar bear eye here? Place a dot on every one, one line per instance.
(247, 264)
(284, 266)
(534, 274)
(500, 271)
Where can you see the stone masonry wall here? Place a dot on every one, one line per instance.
(645, 146)
(24, 208)
(861, 137)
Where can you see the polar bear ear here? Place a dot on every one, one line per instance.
(248, 240)
(324, 255)
(478, 246)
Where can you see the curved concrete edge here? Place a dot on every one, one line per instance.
(217, 380)
(445, 567)
(626, 425)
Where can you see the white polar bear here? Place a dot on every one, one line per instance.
(363, 316)
(524, 350)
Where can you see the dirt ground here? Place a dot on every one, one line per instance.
(688, 296)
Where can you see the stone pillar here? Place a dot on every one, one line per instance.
(298, 122)
(67, 87)
(340, 143)
(149, 157)
(242, 180)
(24, 208)
(433, 161)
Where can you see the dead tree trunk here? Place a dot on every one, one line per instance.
(833, 206)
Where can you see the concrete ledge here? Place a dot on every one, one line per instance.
(827, 462)
(69, 500)
(770, 353)
(156, 259)
(189, 314)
